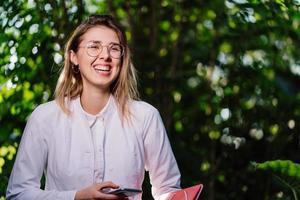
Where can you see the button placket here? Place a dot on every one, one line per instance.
(98, 137)
(101, 151)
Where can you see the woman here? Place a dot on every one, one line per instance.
(96, 134)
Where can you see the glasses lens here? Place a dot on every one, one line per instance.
(116, 50)
(93, 49)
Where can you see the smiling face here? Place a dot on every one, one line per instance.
(97, 71)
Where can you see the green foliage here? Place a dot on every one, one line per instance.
(280, 167)
(224, 74)
(286, 171)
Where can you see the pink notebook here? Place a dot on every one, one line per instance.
(190, 193)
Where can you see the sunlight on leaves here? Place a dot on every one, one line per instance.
(274, 129)
(178, 126)
(214, 135)
(205, 166)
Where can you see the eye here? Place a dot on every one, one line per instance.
(116, 47)
(93, 46)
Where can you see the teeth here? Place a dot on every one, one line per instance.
(102, 67)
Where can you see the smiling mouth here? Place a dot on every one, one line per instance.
(102, 68)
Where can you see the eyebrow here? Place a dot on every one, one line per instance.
(95, 41)
(100, 42)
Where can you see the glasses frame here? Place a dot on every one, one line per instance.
(108, 47)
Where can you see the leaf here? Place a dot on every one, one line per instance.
(286, 171)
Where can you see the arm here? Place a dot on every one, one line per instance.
(24, 183)
(160, 160)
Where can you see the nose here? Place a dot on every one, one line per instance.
(104, 54)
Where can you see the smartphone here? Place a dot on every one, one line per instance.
(127, 192)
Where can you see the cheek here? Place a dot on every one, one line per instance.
(118, 68)
(117, 64)
(85, 60)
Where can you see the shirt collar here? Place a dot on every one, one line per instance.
(103, 114)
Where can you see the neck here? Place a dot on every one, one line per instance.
(94, 101)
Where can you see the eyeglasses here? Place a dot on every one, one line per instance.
(114, 50)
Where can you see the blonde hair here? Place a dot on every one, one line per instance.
(69, 85)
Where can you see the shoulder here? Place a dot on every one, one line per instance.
(142, 107)
(144, 112)
(148, 117)
(43, 119)
(46, 111)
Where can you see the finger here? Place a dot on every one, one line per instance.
(106, 196)
(107, 184)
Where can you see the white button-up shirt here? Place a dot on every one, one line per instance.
(74, 151)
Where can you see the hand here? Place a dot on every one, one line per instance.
(94, 192)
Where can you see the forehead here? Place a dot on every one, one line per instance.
(101, 33)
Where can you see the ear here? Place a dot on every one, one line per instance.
(73, 57)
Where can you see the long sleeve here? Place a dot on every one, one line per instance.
(24, 183)
(159, 158)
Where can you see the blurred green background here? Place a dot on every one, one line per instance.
(223, 74)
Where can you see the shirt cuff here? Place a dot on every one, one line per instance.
(70, 195)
